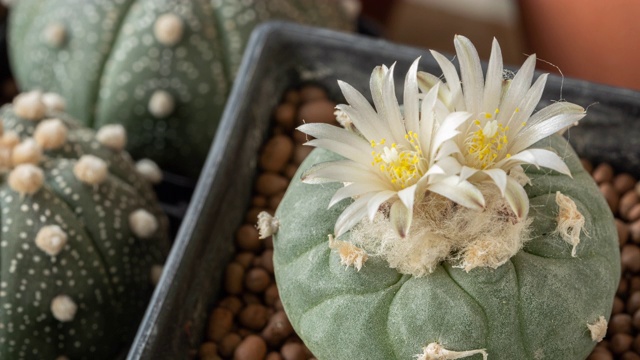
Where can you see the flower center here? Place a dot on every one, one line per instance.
(402, 167)
(485, 144)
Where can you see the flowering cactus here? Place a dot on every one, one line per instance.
(467, 227)
(83, 237)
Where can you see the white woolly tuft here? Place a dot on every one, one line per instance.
(54, 102)
(435, 351)
(570, 221)
(29, 106)
(161, 104)
(143, 224)
(50, 134)
(598, 329)
(267, 224)
(27, 152)
(168, 29)
(350, 255)
(51, 239)
(113, 136)
(26, 179)
(149, 170)
(63, 308)
(91, 170)
(443, 231)
(55, 34)
(156, 273)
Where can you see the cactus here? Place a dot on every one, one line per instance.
(162, 68)
(83, 238)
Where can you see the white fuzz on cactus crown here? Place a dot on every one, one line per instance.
(451, 138)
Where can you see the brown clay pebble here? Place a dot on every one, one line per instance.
(271, 295)
(630, 258)
(257, 280)
(252, 347)
(623, 183)
(232, 303)
(603, 173)
(620, 323)
(259, 201)
(290, 171)
(623, 287)
(636, 344)
(311, 93)
(285, 115)
(233, 278)
(300, 153)
(634, 284)
(274, 356)
(278, 329)
(228, 344)
(267, 260)
(623, 232)
(587, 165)
(244, 258)
(247, 238)
(293, 351)
(211, 357)
(600, 354)
(208, 349)
(254, 317)
(611, 196)
(252, 215)
(627, 202)
(276, 153)
(634, 229)
(250, 298)
(634, 213)
(319, 111)
(633, 303)
(220, 323)
(269, 184)
(620, 343)
(630, 356)
(618, 306)
(635, 320)
(274, 201)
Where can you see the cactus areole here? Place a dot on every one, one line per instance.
(163, 69)
(458, 226)
(82, 237)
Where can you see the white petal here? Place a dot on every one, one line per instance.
(461, 192)
(427, 81)
(517, 90)
(352, 215)
(353, 190)
(446, 150)
(537, 157)
(340, 171)
(453, 81)
(400, 217)
(467, 172)
(411, 102)
(448, 165)
(517, 198)
(378, 199)
(326, 131)
(533, 134)
(552, 110)
(407, 195)
(471, 71)
(527, 105)
(343, 149)
(393, 114)
(499, 177)
(448, 129)
(361, 113)
(493, 83)
(427, 118)
(375, 84)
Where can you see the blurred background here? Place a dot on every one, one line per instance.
(589, 39)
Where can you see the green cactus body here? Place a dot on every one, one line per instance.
(163, 69)
(536, 306)
(78, 245)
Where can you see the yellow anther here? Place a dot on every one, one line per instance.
(517, 109)
(508, 156)
(497, 111)
(487, 115)
(476, 122)
(524, 123)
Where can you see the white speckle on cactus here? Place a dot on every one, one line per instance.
(156, 273)
(91, 170)
(598, 329)
(161, 104)
(113, 136)
(149, 170)
(63, 308)
(51, 239)
(267, 224)
(143, 223)
(26, 179)
(435, 351)
(55, 34)
(27, 152)
(29, 106)
(54, 102)
(168, 29)
(50, 134)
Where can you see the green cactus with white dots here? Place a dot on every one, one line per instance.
(82, 237)
(162, 68)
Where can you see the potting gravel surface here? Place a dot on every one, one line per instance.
(249, 323)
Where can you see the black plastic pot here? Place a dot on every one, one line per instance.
(280, 56)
